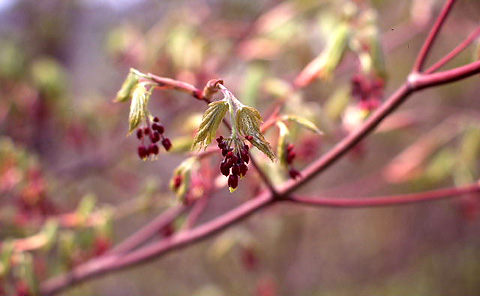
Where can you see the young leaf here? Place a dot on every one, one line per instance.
(138, 107)
(282, 143)
(303, 122)
(127, 87)
(248, 122)
(180, 182)
(210, 122)
(327, 61)
(50, 231)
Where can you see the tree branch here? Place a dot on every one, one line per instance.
(427, 45)
(391, 200)
(182, 239)
(457, 50)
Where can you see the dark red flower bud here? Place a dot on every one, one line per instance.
(249, 137)
(290, 156)
(224, 168)
(290, 147)
(142, 152)
(166, 144)
(243, 169)
(153, 149)
(154, 137)
(139, 134)
(246, 147)
(219, 139)
(294, 174)
(229, 154)
(245, 156)
(229, 162)
(221, 145)
(177, 181)
(235, 169)
(155, 119)
(225, 151)
(233, 181)
(158, 127)
(146, 130)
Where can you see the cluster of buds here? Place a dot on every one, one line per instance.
(149, 136)
(368, 91)
(289, 157)
(234, 164)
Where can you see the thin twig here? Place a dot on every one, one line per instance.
(457, 50)
(427, 45)
(149, 230)
(391, 200)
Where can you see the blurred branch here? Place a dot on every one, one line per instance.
(457, 50)
(149, 230)
(390, 200)
(425, 50)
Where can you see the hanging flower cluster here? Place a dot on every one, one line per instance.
(149, 134)
(245, 126)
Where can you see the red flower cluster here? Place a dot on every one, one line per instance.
(234, 164)
(290, 156)
(154, 133)
(368, 91)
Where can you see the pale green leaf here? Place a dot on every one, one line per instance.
(210, 122)
(138, 106)
(127, 87)
(303, 122)
(248, 122)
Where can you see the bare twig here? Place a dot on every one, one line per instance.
(383, 201)
(425, 50)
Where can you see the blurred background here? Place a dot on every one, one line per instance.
(63, 145)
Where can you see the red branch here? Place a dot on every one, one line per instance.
(383, 201)
(425, 50)
(457, 50)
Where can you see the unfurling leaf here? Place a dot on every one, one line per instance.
(127, 87)
(303, 122)
(138, 107)
(180, 181)
(325, 63)
(248, 122)
(282, 143)
(210, 122)
(50, 231)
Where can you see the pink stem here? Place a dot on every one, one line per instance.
(457, 50)
(424, 51)
(383, 201)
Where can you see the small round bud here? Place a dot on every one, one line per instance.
(249, 138)
(233, 181)
(290, 156)
(243, 169)
(235, 169)
(146, 130)
(244, 154)
(224, 168)
(155, 119)
(142, 152)
(219, 139)
(158, 127)
(290, 147)
(294, 174)
(166, 144)
(139, 134)
(177, 181)
(153, 149)
(154, 137)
